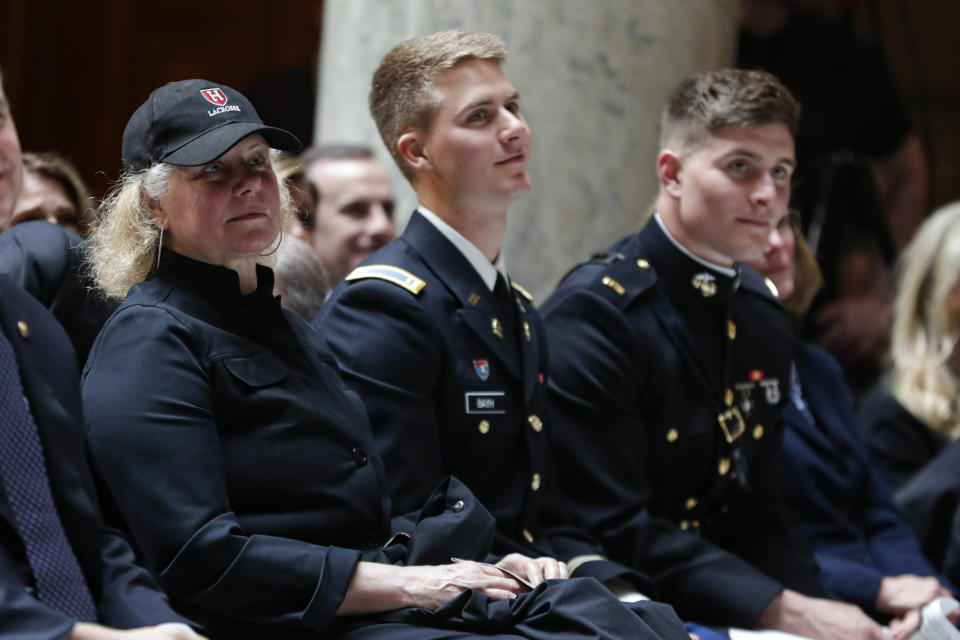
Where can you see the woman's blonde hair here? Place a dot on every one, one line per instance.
(124, 239)
(924, 335)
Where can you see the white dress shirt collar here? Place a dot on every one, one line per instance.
(486, 269)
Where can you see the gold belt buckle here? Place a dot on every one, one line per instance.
(731, 422)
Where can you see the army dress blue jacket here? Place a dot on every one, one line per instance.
(419, 336)
(648, 348)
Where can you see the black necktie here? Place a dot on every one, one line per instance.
(60, 582)
(506, 307)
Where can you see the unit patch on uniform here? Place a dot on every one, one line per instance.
(482, 367)
(485, 402)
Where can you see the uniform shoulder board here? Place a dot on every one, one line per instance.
(522, 291)
(396, 275)
(625, 279)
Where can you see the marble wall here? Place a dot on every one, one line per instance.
(592, 75)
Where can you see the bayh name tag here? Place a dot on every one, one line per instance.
(485, 402)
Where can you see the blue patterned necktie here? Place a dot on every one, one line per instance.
(60, 583)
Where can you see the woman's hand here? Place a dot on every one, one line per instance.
(382, 587)
(433, 586)
(534, 570)
(899, 594)
(170, 631)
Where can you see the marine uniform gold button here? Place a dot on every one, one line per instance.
(684, 524)
(672, 435)
(695, 524)
(643, 264)
(23, 329)
(690, 503)
(728, 397)
(484, 426)
(526, 331)
(758, 432)
(731, 330)
(535, 423)
(535, 482)
(528, 536)
(723, 466)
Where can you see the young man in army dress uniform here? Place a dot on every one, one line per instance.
(669, 365)
(446, 353)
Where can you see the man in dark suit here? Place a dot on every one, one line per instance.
(62, 572)
(447, 354)
(670, 364)
(47, 260)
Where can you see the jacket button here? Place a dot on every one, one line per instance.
(758, 432)
(672, 435)
(23, 329)
(535, 423)
(484, 427)
(528, 536)
(457, 506)
(535, 482)
(690, 503)
(723, 466)
(359, 456)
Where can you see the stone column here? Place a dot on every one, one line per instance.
(592, 75)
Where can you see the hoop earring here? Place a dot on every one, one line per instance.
(276, 246)
(159, 247)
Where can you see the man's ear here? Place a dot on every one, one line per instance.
(413, 151)
(669, 166)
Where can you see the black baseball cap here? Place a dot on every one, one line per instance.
(193, 122)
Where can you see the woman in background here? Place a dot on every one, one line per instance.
(867, 553)
(912, 421)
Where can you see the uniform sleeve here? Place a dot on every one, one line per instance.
(387, 351)
(596, 378)
(154, 436)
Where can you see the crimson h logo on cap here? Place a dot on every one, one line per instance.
(216, 96)
(176, 125)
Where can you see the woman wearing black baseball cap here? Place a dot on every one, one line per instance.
(245, 472)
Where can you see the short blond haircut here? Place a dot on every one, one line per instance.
(924, 335)
(402, 97)
(124, 240)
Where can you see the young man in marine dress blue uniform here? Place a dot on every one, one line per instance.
(447, 354)
(669, 367)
